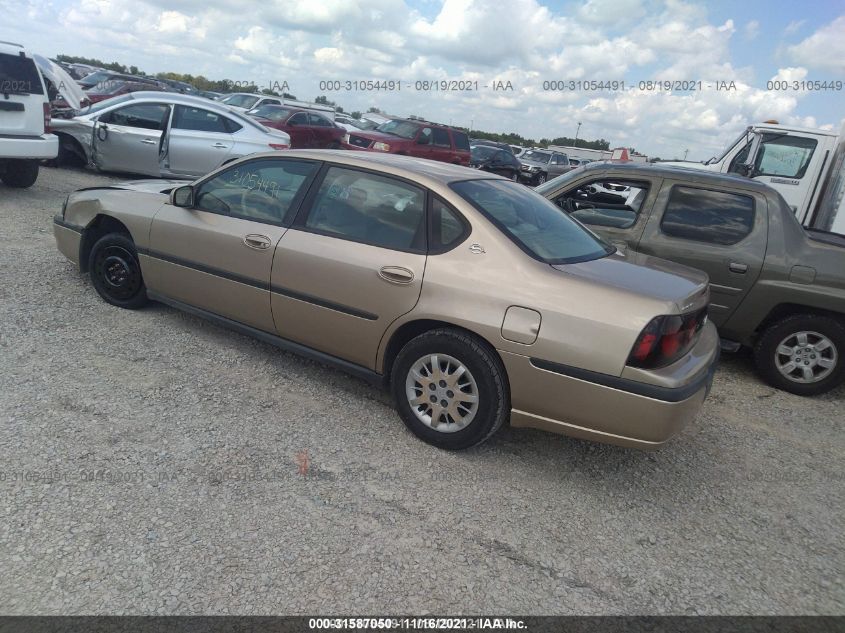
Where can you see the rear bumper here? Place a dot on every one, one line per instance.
(32, 147)
(604, 408)
(68, 238)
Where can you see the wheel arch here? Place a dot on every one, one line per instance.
(784, 310)
(415, 327)
(101, 225)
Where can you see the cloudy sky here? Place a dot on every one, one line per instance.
(525, 42)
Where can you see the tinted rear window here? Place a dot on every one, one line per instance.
(19, 75)
(702, 215)
(535, 224)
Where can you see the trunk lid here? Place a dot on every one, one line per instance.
(660, 279)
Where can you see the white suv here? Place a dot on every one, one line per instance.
(25, 135)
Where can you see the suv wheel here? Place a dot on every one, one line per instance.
(541, 178)
(802, 354)
(20, 173)
(450, 389)
(116, 273)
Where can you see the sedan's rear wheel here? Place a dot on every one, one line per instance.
(450, 389)
(116, 272)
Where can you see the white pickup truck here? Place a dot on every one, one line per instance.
(806, 166)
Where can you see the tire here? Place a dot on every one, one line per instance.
(20, 173)
(541, 179)
(469, 423)
(813, 344)
(116, 272)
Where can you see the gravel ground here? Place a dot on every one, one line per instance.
(168, 451)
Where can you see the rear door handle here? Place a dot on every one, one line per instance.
(736, 267)
(258, 242)
(396, 274)
(220, 146)
(149, 141)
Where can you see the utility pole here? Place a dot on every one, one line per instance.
(576, 133)
(686, 151)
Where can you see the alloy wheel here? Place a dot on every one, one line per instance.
(442, 393)
(806, 357)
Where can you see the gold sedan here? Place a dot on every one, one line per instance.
(473, 298)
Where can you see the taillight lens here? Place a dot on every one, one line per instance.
(279, 146)
(46, 118)
(666, 339)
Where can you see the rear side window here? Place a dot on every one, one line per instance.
(147, 116)
(448, 228)
(188, 118)
(714, 217)
(441, 137)
(18, 75)
(461, 140)
(369, 208)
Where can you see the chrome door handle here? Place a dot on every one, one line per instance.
(736, 267)
(149, 141)
(258, 242)
(220, 146)
(396, 274)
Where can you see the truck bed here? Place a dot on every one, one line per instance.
(826, 237)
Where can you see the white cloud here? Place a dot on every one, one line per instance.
(824, 49)
(794, 26)
(752, 30)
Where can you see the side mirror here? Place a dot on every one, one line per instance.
(423, 140)
(182, 197)
(292, 123)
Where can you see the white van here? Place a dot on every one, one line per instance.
(25, 137)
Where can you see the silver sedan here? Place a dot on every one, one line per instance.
(163, 134)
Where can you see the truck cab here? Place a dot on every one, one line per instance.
(800, 163)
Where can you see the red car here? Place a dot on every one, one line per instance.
(307, 129)
(413, 138)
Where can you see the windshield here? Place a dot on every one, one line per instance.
(728, 148)
(540, 157)
(241, 101)
(272, 112)
(532, 222)
(482, 152)
(405, 129)
(96, 77)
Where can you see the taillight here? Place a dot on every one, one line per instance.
(666, 339)
(46, 117)
(279, 146)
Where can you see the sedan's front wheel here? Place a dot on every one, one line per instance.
(450, 389)
(116, 273)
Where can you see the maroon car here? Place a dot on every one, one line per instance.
(412, 137)
(307, 129)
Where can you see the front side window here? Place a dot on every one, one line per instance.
(611, 203)
(532, 222)
(147, 116)
(300, 118)
(190, 118)
(319, 121)
(263, 190)
(708, 216)
(441, 137)
(369, 208)
(784, 155)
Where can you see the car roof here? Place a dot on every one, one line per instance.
(702, 176)
(423, 168)
(179, 98)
